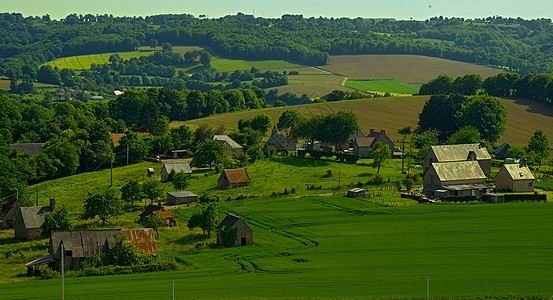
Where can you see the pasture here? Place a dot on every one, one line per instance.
(336, 247)
(388, 85)
(228, 65)
(82, 62)
(315, 83)
(524, 117)
(413, 70)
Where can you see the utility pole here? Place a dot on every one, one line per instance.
(127, 155)
(173, 297)
(111, 166)
(62, 271)
(427, 288)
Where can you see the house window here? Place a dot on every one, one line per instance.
(68, 252)
(530, 184)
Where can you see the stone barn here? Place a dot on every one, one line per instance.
(175, 198)
(9, 213)
(233, 178)
(177, 167)
(456, 153)
(244, 234)
(515, 178)
(29, 219)
(80, 244)
(232, 148)
(460, 178)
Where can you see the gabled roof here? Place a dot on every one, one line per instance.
(33, 216)
(501, 148)
(31, 148)
(231, 220)
(182, 194)
(227, 140)
(274, 139)
(178, 167)
(459, 170)
(376, 134)
(165, 214)
(236, 175)
(364, 141)
(9, 206)
(518, 172)
(150, 209)
(358, 133)
(445, 153)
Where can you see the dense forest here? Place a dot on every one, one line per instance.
(523, 46)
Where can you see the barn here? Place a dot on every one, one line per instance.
(29, 219)
(176, 167)
(515, 178)
(244, 234)
(182, 197)
(233, 178)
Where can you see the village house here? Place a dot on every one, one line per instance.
(501, 151)
(9, 213)
(233, 178)
(363, 145)
(458, 178)
(29, 219)
(148, 211)
(232, 148)
(515, 178)
(31, 148)
(244, 234)
(176, 168)
(79, 244)
(279, 141)
(457, 153)
(167, 218)
(182, 197)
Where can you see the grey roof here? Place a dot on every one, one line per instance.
(31, 148)
(274, 139)
(518, 172)
(445, 153)
(231, 220)
(182, 194)
(501, 148)
(83, 243)
(150, 209)
(178, 167)
(33, 216)
(226, 139)
(459, 170)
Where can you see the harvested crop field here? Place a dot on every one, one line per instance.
(524, 118)
(409, 69)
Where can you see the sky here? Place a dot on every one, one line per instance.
(398, 9)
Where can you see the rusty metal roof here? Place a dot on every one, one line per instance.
(168, 215)
(236, 175)
(143, 239)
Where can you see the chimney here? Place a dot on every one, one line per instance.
(52, 203)
(524, 162)
(382, 131)
(372, 130)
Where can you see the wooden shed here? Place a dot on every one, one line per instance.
(514, 178)
(356, 193)
(244, 234)
(232, 178)
(176, 167)
(182, 197)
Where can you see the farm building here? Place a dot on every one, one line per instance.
(279, 141)
(356, 193)
(457, 153)
(233, 178)
(182, 197)
(177, 167)
(167, 218)
(461, 178)
(149, 210)
(9, 213)
(244, 234)
(515, 178)
(382, 137)
(80, 244)
(364, 145)
(29, 219)
(232, 148)
(31, 148)
(501, 151)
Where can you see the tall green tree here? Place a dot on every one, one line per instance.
(439, 113)
(288, 120)
(152, 189)
(131, 191)
(487, 114)
(104, 204)
(538, 147)
(56, 220)
(210, 152)
(466, 135)
(206, 218)
(380, 153)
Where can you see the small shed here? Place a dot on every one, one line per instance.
(515, 178)
(182, 197)
(244, 234)
(232, 148)
(29, 219)
(9, 213)
(151, 172)
(233, 178)
(176, 167)
(167, 218)
(356, 193)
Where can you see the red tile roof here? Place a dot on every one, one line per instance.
(165, 214)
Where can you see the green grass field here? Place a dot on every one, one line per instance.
(82, 62)
(228, 65)
(436, 41)
(337, 247)
(386, 85)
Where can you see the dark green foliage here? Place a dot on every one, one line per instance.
(152, 189)
(180, 181)
(131, 191)
(380, 153)
(104, 204)
(229, 235)
(439, 113)
(56, 220)
(538, 147)
(209, 153)
(441, 85)
(466, 135)
(206, 218)
(487, 114)
(152, 221)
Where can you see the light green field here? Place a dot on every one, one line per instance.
(82, 62)
(227, 65)
(337, 247)
(314, 85)
(436, 41)
(386, 85)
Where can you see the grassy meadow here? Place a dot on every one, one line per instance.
(524, 117)
(338, 247)
(82, 62)
(386, 85)
(230, 65)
